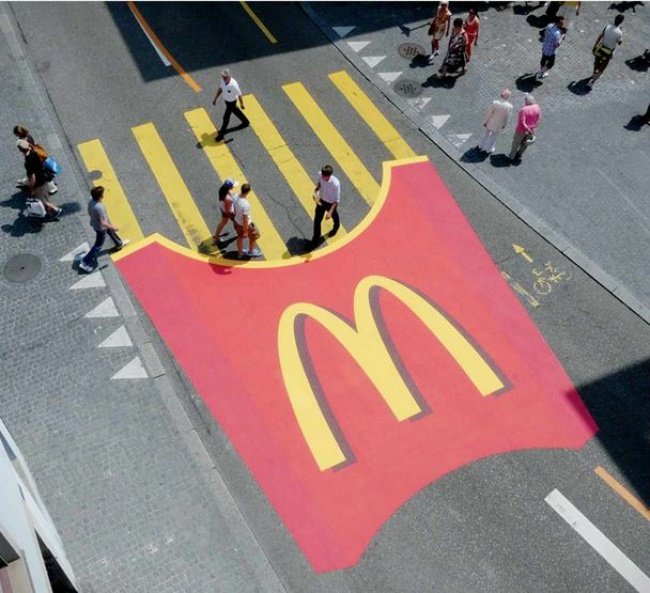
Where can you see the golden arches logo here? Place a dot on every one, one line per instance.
(366, 345)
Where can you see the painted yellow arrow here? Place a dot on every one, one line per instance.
(519, 250)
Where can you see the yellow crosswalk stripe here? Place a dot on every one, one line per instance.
(172, 185)
(375, 119)
(299, 181)
(224, 164)
(95, 158)
(332, 139)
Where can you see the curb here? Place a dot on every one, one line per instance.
(532, 220)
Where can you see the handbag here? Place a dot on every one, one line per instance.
(49, 164)
(34, 208)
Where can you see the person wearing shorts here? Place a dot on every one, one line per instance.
(603, 50)
(552, 40)
(244, 225)
(226, 207)
(439, 28)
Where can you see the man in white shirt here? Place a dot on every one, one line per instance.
(244, 225)
(229, 88)
(327, 195)
(603, 49)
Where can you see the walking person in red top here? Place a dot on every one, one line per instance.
(472, 26)
(527, 119)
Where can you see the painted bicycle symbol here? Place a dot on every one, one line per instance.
(547, 277)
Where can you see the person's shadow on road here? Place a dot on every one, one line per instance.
(420, 61)
(635, 124)
(474, 155)
(639, 63)
(440, 82)
(527, 82)
(500, 160)
(579, 87)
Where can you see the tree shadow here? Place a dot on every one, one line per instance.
(474, 155)
(527, 82)
(640, 63)
(579, 87)
(526, 8)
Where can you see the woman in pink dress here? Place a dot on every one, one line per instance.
(472, 26)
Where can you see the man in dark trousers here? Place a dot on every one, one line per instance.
(102, 226)
(229, 88)
(327, 195)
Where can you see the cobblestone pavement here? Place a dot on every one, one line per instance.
(139, 505)
(582, 184)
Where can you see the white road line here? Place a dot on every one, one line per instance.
(599, 542)
(164, 60)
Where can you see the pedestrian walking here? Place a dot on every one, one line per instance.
(456, 56)
(102, 226)
(603, 50)
(226, 207)
(37, 178)
(472, 26)
(528, 118)
(22, 133)
(496, 119)
(229, 88)
(568, 11)
(244, 225)
(327, 195)
(439, 28)
(550, 44)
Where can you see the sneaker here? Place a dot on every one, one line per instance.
(590, 83)
(57, 213)
(331, 234)
(538, 76)
(544, 74)
(53, 191)
(432, 57)
(435, 53)
(242, 254)
(84, 267)
(218, 137)
(121, 245)
(255, 253)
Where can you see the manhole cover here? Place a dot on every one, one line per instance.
(408, 88)
(22, 267)
(410, 50)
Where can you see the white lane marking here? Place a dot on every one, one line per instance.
(389, 76)
(599, 542)
(372, 61)
(438, 120)
(118, 339)
(132, 370)
(459, 139)
(357, 46)
(71, 255)
(162, 57)
(105, 309)
(343, 31)
(94, 280)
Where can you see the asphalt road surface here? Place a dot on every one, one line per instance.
(496, 524)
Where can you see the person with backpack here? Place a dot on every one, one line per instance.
(22, 133)
(37, 178)
(603, 49)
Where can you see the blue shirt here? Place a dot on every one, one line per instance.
(552, 38)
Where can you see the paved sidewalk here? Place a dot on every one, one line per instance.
(583, 184)
(138, 503)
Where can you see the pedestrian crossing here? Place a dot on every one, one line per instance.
(196, 231)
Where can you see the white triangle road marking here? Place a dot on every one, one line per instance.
(390, 76)
(105, 309)
(357, 46)
(459, 139)
(118, 339)
(94, 280)
(420, 102)
(343, 31)
(438, 120)
(372, 61)
(132, 370)
(70, 256)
